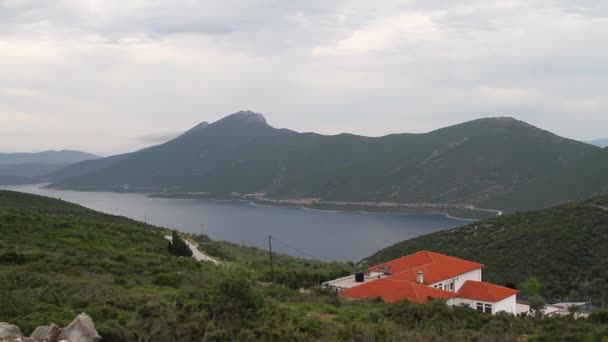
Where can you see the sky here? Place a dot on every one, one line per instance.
(109, 76)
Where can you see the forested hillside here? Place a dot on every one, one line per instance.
(565, 247)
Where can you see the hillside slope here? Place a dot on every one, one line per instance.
(473, 163)
(31, 165)
(565, 247)
(588, 177)
(58, 259)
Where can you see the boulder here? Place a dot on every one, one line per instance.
(81, 329)
(46, 333)
(9, 332)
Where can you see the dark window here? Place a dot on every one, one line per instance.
(480, 307)
(487, 308)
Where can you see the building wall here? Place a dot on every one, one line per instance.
(508, 304)
(459, 280)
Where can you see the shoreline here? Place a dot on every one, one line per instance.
(452, 211)
(457, 212)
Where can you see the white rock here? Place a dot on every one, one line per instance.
(9, 332)
(81, 329)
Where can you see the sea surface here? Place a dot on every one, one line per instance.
(325, 235)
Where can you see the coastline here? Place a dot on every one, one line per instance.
(458, 212)
(453, 211)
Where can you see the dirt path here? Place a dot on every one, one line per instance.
(599, 206)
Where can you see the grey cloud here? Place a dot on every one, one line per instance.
(117, 67)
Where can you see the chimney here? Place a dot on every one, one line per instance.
(420, 277)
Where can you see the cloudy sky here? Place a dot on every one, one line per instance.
(109, 76)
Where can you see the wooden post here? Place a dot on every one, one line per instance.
(271, 265)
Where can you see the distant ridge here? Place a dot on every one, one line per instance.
(481, 162)
(599, 142)
(17, 168)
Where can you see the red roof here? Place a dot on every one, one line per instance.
(391, 291)
(434, 266)
(488, 292)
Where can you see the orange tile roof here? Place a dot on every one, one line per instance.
(484, 291)
(391, 291)
(435, 267)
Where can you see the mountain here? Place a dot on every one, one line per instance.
(565, 247)
(600, 142)
(473, 163)
(22, 166)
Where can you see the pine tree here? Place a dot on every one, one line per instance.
(177, 246)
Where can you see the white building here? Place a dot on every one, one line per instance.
(423, 275)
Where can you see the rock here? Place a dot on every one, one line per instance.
(9, 332)
(81, 329)
(46, 333)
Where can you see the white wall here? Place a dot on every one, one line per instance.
(460, 280)
(508, 304)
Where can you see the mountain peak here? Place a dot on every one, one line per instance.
(505, 120)
(246, 116)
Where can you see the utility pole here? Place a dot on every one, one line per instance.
(271, 265)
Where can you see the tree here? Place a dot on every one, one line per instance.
(531, 289)
(177, 246)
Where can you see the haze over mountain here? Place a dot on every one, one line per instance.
(18, 167)
(599, 142)
(480, 162)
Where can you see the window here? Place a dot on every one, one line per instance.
(440, 286)
(480, 307)
(452, 286)
(487, 308)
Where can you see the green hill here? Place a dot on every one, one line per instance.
(479, 163)
(565, 247)
(58, 259)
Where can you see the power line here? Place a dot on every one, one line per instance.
(296, 249)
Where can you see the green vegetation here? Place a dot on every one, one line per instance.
(58, 259)
(578, 181)
(565, 248)
(497, 163)
(288, 271)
